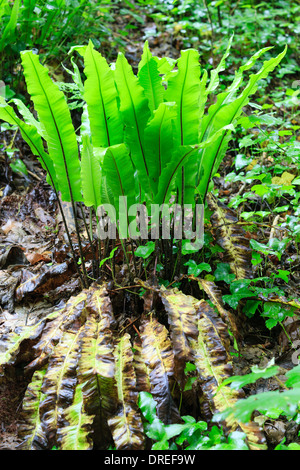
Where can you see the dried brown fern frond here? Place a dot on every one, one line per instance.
(213, 364)
(182, 313)
(72, 315)
(86, 376)
(75, 348)
(158, 355)
(11, 343)
(215, 296)
(76, 432)
(231, 237)
(31, 431)
(142, 370)
(126, 426)
(33, 344)
(59, 384)
(96, 367)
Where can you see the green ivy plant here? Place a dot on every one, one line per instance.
(189, 435)
(274, 403)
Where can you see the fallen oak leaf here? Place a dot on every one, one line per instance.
(35, 258)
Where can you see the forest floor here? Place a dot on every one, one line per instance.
(37, 273)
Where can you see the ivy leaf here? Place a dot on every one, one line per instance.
(239, 381)
(241, 161)
(243, 409)
(276, 313)
(283, 274)
(281, 208)
(260, 189)
(247, 215)
(156, 430)
(274, 246)
(189, 248)
(196, 269)
(251, 307)
(260, 247)
(293, 377)
(173, 430)
(224, 273)
(19, 167)
(270, 323)
(235, 442)
(147, 405)
(161, 445)
(239, 291)
(256, 258)
(144, 251)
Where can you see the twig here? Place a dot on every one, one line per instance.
(131, 324)
(274, 226)
(34, 175)
(124, 287)
(234, 8)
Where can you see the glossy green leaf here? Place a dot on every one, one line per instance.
(184, 89)
(144, 251)
(118, 169)
(54, 115)
(101, 97)
(90, 174)
(159, 141)
(242, 410)
(135, 113)
(226, 111)
(150, 79)
(31, 135)
(11, 25)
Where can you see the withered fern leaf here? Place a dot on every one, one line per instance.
(231, 237)
(85, 375)
(59, 384)
(74, 348)
(76, 434)
(142, 371)
(31, 430)
(215, 296)
(126, 426)
(182, 317)
(11, 343)
(213, 364)
(96, 368)
(56, 324)
(158, 354)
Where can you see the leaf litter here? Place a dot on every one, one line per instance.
(38, 280)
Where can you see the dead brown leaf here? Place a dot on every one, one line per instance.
(46, 281)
